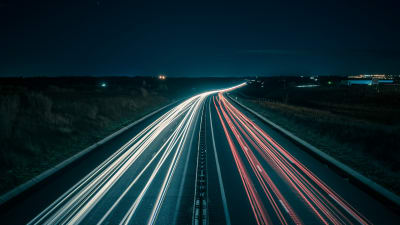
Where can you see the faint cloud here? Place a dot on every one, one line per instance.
(273, 52)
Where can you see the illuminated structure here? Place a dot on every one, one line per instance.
(369, 76)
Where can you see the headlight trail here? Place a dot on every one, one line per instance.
(199, 163)
(151, 162)
(322, 201)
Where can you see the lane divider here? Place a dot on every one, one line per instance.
(200, 212)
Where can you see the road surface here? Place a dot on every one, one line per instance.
(204, 161)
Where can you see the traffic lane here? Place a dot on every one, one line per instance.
(366, 205)
(175, 194)
(217, 206)
(178, 205)
(130, 185)
(42, 195)
(239, 208)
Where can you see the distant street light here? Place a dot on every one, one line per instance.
(103, 84)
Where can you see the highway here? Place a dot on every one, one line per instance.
(204, 161)
(261, 177)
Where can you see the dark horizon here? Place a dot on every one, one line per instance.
(182, 39)
(180, 77)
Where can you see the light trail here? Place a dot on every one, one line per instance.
(218, 167)
(258, 207)
(161, 164)
(323, 202)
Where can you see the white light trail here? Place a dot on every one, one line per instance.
(74, 205)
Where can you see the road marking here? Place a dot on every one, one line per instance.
(284, 206)
(221, 184)
(259, 168)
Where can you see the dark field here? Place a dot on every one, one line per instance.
(43, 121)
(358, 125)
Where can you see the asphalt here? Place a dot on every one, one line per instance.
(31, 203)
(258, 177)
(237, 202)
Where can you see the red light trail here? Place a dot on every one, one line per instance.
(322, 201)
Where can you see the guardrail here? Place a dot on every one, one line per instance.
(374, 189)
(10, 195)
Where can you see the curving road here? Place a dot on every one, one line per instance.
(205, 161)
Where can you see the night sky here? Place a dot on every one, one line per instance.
(198, 38)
